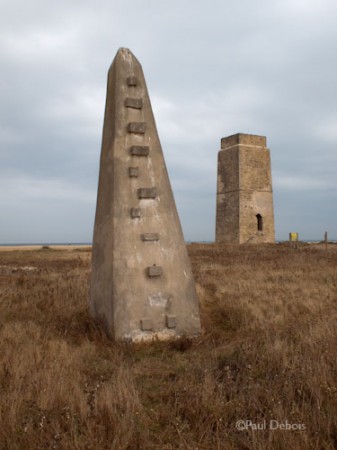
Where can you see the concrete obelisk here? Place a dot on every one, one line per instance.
(142, 286)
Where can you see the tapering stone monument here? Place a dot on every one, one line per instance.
(142, 286)
(245, 212)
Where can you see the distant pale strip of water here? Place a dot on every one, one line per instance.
(44, 243)
(25, 244)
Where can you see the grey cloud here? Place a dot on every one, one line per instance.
(212, 69)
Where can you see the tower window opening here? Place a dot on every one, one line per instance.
(259, 222)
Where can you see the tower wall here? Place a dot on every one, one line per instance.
(228, 212)
(244, 191)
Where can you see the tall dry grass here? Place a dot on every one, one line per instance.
(268, 352)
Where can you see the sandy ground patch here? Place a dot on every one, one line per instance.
(10, 248)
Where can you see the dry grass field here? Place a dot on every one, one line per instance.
(268, 353)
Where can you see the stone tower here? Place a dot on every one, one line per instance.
(142, 286)
(245, 212)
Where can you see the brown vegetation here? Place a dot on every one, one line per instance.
(268, 352)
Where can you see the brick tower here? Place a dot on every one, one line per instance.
(245, 212)
(142, 286)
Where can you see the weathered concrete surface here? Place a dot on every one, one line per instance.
(244, 191)
(142, 287)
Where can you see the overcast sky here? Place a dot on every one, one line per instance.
(213, 68)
